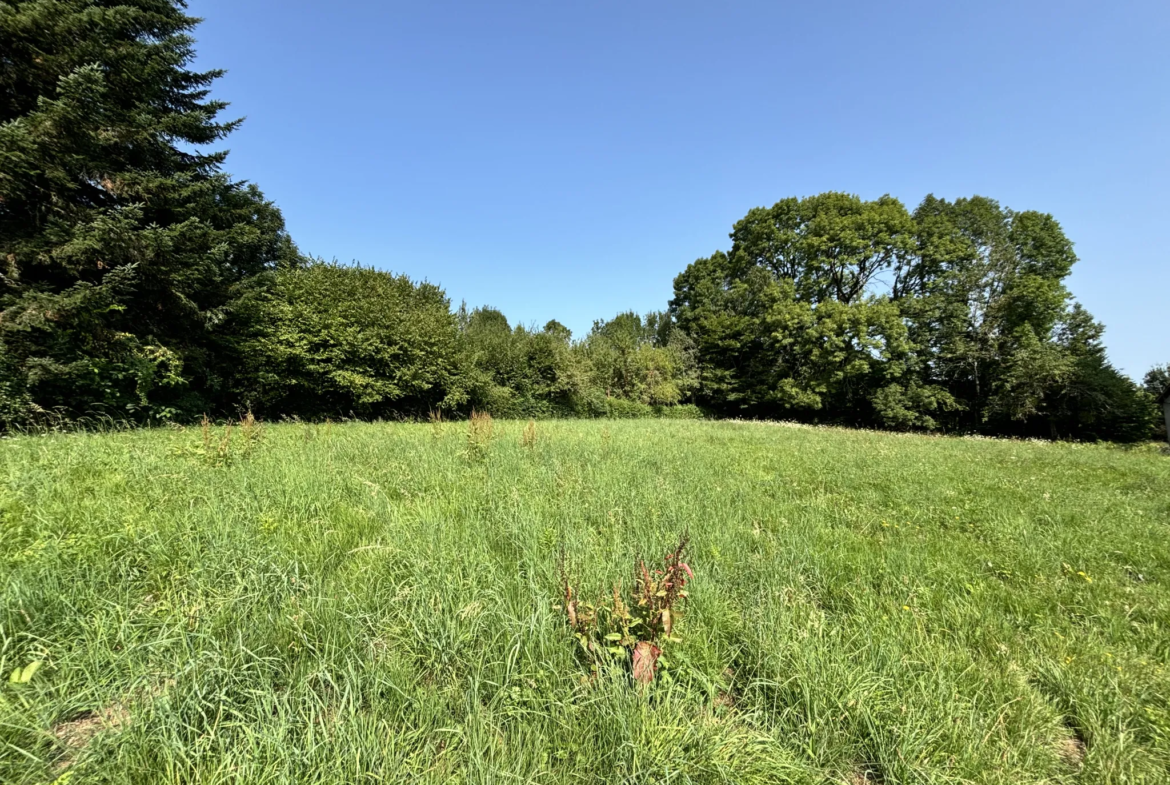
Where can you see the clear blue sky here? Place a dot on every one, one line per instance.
(567, 160)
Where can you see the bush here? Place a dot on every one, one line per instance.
(334, 340)
(518, 372)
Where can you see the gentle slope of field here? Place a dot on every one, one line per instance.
(369, 603)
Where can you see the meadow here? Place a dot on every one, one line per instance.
(361, 603)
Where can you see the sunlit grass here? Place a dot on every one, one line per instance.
(375, 603)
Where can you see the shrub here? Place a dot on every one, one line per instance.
(337, 340)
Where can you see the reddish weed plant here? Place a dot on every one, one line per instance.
(635, 628)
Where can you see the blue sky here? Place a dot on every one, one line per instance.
(567, 160)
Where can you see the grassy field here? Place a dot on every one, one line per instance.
(375, 603)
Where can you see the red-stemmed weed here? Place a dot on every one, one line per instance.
(636, 628)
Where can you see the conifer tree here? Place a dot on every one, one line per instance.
(123, 246)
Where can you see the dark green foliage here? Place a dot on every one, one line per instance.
(1156, 384)
(835, 309)
(789, 323)
(985, 309)
(683, 411)
(1003, 334)
(1157, 380)
(626, 367)
(831, 246)
(519, 372)
(351, 341)
(624, 409)
(122, 249)
(643, 361)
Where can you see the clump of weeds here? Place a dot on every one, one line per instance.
(479, 435)
(217, 451)
(631, 629)
(221, 447)
(528, 436)
(252, 432)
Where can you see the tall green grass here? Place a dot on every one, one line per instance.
(376, 603)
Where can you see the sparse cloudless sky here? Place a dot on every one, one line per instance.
(567, 159)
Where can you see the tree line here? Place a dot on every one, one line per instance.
(139, 281)
(952, 317)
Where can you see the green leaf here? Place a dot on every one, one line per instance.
(24, 675)
(29, 670)
(614, 636)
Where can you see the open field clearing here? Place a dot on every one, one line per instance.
(379, 603)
